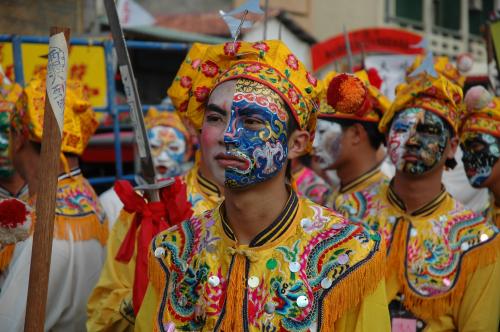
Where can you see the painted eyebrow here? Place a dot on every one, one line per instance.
(216, 109)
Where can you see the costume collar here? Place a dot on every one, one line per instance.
(4, 193)
(366, 177)
(276, 229)
(425, 210)
(72, 173)
(207, 188)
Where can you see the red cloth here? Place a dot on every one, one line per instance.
(152, 217)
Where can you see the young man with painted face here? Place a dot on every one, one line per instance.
(118, 295)
(171, 149)
(442, 262)
(455, 179)
(264, 259)
(80, 226)
(348, 141)
(11, 183)
(480, 141)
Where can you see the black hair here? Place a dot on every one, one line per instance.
(292, 126)
(375, 137)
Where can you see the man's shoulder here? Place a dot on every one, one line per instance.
(331, 233)
(463, 225)
(183, 236)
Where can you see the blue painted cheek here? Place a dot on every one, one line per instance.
(265, 149)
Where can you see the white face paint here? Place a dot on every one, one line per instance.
(327, 143)
(168, 148)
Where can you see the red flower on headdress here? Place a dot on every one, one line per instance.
(196, 63)
(261, 46)
(13, 213)
(209, 68)
(292, 62)
(311, 79)
(432, 91)
(294, 97)
(374, 78)
(183, 107)
(253, 68)
(201, 93)
(186, 82)
(231, 48)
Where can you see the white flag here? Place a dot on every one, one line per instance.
(132, 14)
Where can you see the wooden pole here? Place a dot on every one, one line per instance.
(48, 172)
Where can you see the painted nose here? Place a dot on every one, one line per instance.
(413, 140)
(230, 135)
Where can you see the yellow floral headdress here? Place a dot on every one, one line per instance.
(268, 62)
(437, 95)
(164, 118)
(79, 118)
(352, 97)
(442, 65)
(483, 119)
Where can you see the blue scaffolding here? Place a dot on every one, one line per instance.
(112, 108)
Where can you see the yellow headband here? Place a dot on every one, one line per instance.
(443, 67)
(79, 119)
(485, 120)
(268, 62)
(437, 95)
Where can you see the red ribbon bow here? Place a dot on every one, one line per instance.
(153, 218)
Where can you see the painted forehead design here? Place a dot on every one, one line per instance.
(422, 115)
(274, 101)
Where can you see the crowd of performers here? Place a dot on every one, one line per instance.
(297, 204)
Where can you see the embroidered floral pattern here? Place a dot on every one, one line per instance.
(292, 62)
(186, 82)
(231, 48)
(262, 46)
(201, 93)
(209, 68)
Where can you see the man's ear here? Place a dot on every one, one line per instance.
(297, 143)
(358, 132)
(454, 142)
(16, 141)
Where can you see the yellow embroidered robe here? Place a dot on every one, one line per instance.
(442, 263)
(310, 270)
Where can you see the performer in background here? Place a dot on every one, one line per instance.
(172, 150)
(118, 295)
(455, 180)
(349, 142)
(80, 227)
(442, 261)
(264, 259)
(11, 183)
(480, 141)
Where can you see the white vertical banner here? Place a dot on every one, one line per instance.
(57, 71)
(392, 70)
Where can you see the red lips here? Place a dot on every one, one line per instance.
(228, 160)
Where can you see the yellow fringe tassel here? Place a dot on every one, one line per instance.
(349, 293)
(6, 256)
(436, 306)
(397, 250)
(235, 295)
(81, 228)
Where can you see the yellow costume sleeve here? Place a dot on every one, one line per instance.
(480, 307)
(371, 315)
(110, 304)
(145, 317)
